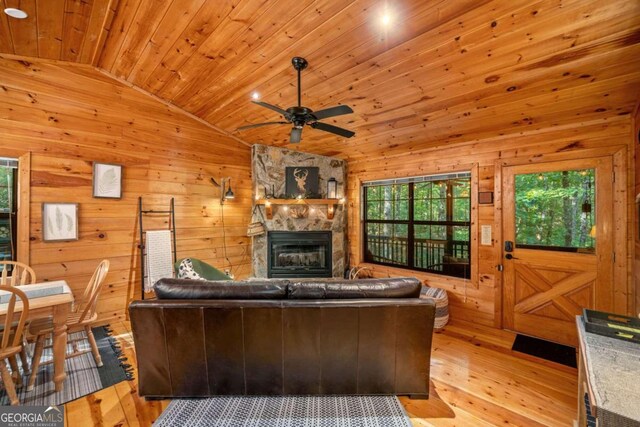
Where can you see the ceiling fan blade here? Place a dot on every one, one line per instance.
(333, 129)
(257, 125)
(332, 112)
(272, 107)
(296, 135)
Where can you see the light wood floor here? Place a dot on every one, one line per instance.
(475, 381)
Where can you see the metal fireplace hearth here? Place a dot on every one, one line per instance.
(299, 254)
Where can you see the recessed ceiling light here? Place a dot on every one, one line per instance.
(255, 96)
(385, 19)
(15, 13)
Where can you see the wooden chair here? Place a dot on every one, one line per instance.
(21, 274)
(83, 315)
(11, 343)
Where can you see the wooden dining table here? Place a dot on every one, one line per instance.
(57, 306)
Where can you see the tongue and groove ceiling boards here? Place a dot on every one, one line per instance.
(440, 71)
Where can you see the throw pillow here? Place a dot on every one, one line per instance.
(186, 271)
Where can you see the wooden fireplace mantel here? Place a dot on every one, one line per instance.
(330, 203)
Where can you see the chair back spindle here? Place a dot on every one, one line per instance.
(21, 274)
(87, 306)
(10, 329)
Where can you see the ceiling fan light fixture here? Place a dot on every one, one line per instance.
(16, 13)
(299, 115)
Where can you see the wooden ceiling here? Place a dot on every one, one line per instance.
(441, 72)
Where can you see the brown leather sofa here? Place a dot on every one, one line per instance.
(283, 337)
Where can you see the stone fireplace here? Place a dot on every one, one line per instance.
(268, 172)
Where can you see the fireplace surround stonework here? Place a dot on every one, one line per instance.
(268, 170)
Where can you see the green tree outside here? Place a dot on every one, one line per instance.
(556, 209)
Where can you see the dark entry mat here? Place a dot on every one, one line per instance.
(545, 350)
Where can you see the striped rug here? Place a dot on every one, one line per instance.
(289, 411)
(83, 376)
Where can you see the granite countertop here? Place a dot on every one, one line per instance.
(613, 368)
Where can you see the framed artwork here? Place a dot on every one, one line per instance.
(107, 180)
(301, 181)
(59, 222)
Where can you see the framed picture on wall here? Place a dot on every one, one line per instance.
(302, 181)
(107, 180)
(59, 222)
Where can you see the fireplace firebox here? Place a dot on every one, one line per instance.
(297, 254)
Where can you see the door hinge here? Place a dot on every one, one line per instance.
(613, 257)
(613, 176)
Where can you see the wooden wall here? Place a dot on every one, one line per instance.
(636, 217)
(68, 116)
(479, 299)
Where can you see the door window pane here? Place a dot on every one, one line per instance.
(556, 210)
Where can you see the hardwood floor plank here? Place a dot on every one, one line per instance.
(480, 384)
(102, 408)
(448, 406)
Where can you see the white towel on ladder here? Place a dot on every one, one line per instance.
(158, 257)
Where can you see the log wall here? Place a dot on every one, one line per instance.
(68, 116)
(479, 299)
(636, 217)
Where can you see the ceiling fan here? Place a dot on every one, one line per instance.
(300, 116)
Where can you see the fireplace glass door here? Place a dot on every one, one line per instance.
(299, 254)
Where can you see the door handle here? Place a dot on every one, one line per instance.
(509, 256)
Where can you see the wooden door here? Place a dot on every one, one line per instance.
(547, 284)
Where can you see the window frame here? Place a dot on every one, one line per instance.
(411, 222)
(24, 205)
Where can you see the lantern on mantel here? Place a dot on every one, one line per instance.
(332, 188)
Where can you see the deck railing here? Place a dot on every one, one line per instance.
(428, 254)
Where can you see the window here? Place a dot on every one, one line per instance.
(421, 223)
(556, 210)
(8, 208)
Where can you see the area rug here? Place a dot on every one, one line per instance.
(548, 350)
(289, 411)
(83, 376)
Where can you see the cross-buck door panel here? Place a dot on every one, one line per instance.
(558, 260)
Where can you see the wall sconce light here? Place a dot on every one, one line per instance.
(225, 183)
(332, 188)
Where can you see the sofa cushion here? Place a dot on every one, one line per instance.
(401, 287)
(209, 289)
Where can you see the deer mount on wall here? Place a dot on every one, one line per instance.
(300, 176)
(301, 181)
